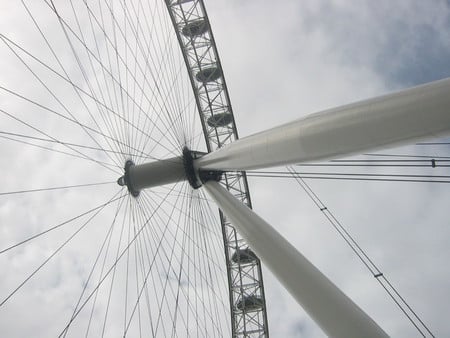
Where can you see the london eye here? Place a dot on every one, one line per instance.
(124, 177)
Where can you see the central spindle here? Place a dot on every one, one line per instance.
(152, 174)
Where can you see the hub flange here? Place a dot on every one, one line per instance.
(126, 181)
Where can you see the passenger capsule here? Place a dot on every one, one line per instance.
(243, 256)
(219, 120)
(208, 74)
(249, 303)
(195, 28)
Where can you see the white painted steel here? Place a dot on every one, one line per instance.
(156, 173)
(332, 310)
(389, 120)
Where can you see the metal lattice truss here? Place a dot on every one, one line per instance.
(247, 301)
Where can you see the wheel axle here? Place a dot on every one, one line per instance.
(141, 176)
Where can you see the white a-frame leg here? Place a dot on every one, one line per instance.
(330, 308)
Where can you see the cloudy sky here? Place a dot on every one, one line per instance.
(282, 60)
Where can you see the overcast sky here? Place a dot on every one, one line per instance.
(282, 60)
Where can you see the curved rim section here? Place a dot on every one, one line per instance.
(246, 289)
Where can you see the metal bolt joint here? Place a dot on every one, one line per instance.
(196, 179)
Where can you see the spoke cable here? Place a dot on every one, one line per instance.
(59, 63)
(55, 188)
(60, 247)
(107, 242)
(140, 230)
(58, 225)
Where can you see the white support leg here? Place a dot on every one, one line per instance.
(389, 120)
(332, 310)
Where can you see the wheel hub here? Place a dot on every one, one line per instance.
(152, 174)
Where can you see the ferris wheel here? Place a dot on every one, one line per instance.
(118, 128)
